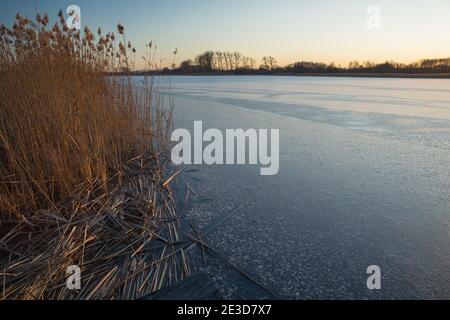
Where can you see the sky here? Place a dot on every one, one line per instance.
(289, 30)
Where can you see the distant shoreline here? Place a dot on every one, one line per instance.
(333, 75)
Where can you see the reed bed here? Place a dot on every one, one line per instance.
(62, 121)
(83, 178)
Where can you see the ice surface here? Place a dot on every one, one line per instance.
(364, 179)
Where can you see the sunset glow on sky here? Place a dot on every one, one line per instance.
(289, 30)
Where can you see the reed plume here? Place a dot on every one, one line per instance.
(62, 121)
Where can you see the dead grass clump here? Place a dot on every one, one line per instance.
(125, 241)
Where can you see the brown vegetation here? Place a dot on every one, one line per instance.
(82, 176)
(62, 122)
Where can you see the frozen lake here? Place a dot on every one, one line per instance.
(364, 180)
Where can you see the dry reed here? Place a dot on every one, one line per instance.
(69, 193)
(62, 123)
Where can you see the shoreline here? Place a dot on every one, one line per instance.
(330, 75)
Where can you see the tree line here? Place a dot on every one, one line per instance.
(236, 63)
(218, 61)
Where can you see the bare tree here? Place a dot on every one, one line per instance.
(266, 63)
(272, 63)
(245, 62)
(230, 60)
(252, 63)
(186, 66)
(237, 59)
(206, 61)
(225, 56)
(219, 56)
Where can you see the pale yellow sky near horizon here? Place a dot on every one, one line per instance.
(289, 30)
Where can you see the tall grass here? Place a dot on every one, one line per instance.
(82, 181)
(63, 123)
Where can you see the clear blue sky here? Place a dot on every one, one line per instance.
(289, 30)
